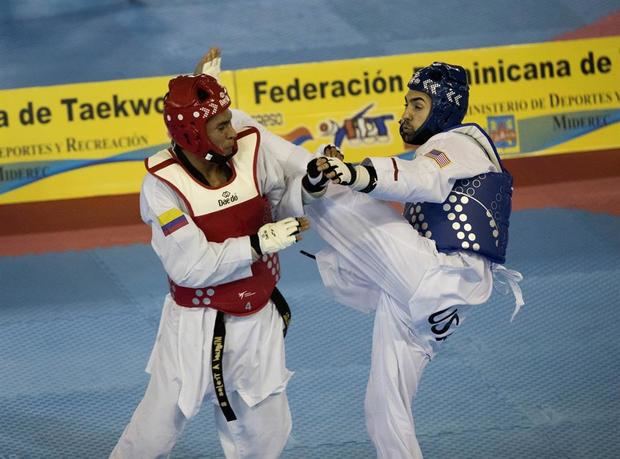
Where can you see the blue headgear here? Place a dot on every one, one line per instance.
(447, 86)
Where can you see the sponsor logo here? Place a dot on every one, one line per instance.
(298, 135)
(245, 294)
(444, 322)
(227, 198)
(360, 128)
(503, 131)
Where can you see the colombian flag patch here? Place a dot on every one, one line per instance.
(172, 220)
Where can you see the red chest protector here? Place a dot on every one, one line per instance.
(232, 210)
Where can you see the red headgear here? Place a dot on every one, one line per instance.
(192, 100)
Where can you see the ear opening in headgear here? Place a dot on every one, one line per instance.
(202, 94)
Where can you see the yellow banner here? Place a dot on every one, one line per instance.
(90, 139)
(544, 98)
(80, 140)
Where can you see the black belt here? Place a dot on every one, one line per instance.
(217, 352)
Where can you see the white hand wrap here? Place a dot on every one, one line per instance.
(343, 170)
(274, 237)
(356, 177)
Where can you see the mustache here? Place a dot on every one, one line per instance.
(405, 124)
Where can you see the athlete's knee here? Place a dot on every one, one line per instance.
(263, 430)
(152, 431)
(137, 442)
(276, 428)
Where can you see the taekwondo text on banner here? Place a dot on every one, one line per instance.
(89, 139)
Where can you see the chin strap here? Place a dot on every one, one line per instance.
(211, 155)
(217, 158)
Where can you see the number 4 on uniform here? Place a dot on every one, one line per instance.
(248, 306)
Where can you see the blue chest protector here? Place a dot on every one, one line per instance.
(475, 216)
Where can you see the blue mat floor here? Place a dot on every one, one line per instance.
(99, 40)
(76, 329)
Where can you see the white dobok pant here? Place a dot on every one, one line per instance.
(255, 376)
(377, 261)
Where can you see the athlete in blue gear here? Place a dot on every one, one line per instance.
(422, 274)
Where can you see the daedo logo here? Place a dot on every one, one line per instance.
(227, 198)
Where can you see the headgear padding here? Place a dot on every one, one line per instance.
(192, 100)
(447, 87)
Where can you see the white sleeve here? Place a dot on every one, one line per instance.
(430, 176)
(281, 166)
(189, 259)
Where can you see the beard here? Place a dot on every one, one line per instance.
(408, 136)
(416, 136)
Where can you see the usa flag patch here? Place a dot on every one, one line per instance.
(439, 157)
(172, 220)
